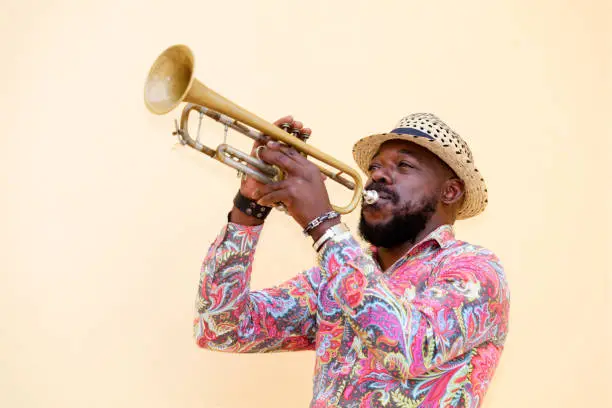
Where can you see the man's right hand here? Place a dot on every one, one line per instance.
(249, 186)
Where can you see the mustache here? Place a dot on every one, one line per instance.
(381, 188)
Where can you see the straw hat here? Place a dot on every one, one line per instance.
(427, 130)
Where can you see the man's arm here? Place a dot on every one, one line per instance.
(465, 305)
(231, 318)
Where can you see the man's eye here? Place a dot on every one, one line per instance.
(406, 164)
(373, 167)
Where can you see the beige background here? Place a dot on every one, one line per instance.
(105, 223)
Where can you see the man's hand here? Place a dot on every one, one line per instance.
(302, 191)
(249, 187)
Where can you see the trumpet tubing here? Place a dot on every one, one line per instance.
(171, 82)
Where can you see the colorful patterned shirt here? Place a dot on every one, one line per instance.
(427, 332)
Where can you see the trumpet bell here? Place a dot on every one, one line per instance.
(170, 79)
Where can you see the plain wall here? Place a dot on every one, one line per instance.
(106, 221)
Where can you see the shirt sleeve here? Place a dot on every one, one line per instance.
(464, 304)
(231, 318)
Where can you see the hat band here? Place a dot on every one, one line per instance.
(412, 132)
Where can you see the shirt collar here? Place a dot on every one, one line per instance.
(444, 236)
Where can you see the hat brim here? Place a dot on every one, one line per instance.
(476, 195)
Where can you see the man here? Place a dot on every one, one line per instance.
(418, 319)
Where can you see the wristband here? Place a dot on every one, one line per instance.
(250, 207)
(332, 232)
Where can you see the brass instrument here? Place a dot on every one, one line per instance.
(171, 81)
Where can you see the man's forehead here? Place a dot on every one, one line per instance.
(422, 155)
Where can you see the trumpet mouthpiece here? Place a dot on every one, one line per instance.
(370, 196)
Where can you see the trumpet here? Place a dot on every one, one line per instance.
(171, 81)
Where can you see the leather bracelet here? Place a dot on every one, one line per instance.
(250, 207)
(331, 232)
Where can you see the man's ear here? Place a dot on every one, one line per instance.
(452, 191)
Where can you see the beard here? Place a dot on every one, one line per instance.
(405, 225)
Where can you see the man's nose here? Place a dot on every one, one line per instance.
(381, 175)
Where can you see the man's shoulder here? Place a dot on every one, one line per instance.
(465, 261)
(460, 248)
(464, 255)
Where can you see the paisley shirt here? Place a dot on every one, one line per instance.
(427, 332)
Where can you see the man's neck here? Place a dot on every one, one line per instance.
(388, 256)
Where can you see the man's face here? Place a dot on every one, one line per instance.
(408, 179)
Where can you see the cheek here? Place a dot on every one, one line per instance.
(417, 190)
(412, 186)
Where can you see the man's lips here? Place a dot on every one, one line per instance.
(384, 196)
(384, 199)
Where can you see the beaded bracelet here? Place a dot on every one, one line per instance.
(319, 220)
